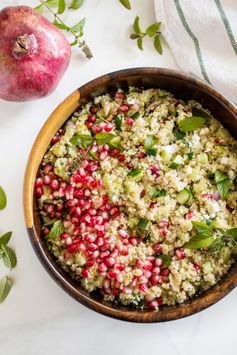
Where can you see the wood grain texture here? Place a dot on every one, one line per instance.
(183, 87)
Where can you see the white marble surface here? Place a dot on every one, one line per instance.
(38, 318)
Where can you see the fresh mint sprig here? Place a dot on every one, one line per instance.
(151, 31)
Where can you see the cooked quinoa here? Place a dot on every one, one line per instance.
(137, 196)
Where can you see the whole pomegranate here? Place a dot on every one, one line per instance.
(34, 54)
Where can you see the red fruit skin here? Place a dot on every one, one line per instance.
(36, 72)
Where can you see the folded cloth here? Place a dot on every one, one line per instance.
(202, 35)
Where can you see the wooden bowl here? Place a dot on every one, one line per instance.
(183, 87)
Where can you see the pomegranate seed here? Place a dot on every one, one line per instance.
(142, 194)
(124, 251)
(45, 230)
(102, 267)
(154, 280)
(132, 241)
(114, 152)
(160, 300)
(107, 283)
(155, 170)
(163, 279)
(147, 265)
(127, 290)
(104, 254)
(120, 278)
(114, 253)
(92, 246)
(112, 274)
(108, 127)
(89, 238)
(153, 304)
(147, 274)
(100, 233)
(164, 272)
(139, 264)
(180, 253)
(207, 195)
(140, 155)
(38, 191)
(156, 270)
(89, 125)
(91, 118)
(73, 248)
(120, 267)
(124, 108)
(64, 235)
(152, 204)
(54, 185)
(96, 129)
(157, 248)
(120, 95)
(90, 263)
(93, 184)
(76, 231)
(48, 168)
(129, 121)
(46, 180)
(121, 157)
(89, 253)
(143, 288)
(196, 267)
(103, 155)
(142, 279)
(122, 233)
(76, 178)
(130, 166)
(189, 214)
(114, 211)
(92, 211)
(158, 262)
(163, 232)
(85, 273)
(39, 182)
(99, 241)
(109, 261)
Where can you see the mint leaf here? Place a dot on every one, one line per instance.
(157, 44)
(118, 122)
(5, 287)
(216, 245)
(115, 142)
(155, 193)
(189, 124)
(167, 259)
(152, 29)
(126, 3)
(134, 172)
(144, 224)
(139, 43)
(203, 229)
(81, 140)
(190, 155)
(220, 176)
(152, 152)
(136, 25)
(199, 242)
(60, 25)
(61, 6)
(9, 256)
(200, 112)
(4, 239)
(178, 134)
(230, 233)
(222, 183)
(76, 4)
(3, 199)
(56, 230)
(174, 166)
(104, 138)
(79, 27)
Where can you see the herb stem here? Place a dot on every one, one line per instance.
(82, 44)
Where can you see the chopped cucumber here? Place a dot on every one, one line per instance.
(184, 196)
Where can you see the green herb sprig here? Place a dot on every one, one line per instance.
(151, 31)
(126, 4)
(214, 239)
(76, 30)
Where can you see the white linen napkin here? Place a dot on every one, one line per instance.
(202, 35)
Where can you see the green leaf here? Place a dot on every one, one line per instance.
(104, 138)
(190, 155)
(136, 25)
(5, 287)
(81, 140)
(144, 224)
(174, 166)
(93, 155)
(134, 172)
(223, 188)
(203, 229)
(61, 6)
(76, 4)
(139, 43)
(9, 256)
(189, 124)
(79, 26)
(167, 259)
(200, 112)
(230, 233)
(199, 242)
(118, 122)
(4, 239)
(39, 8)
(216, 245)
(154, 192)
(157, 44)
(3, 199)
(115, 142)
(60, 25)
(134, 36)
(152, 152)
(74, 43)
(126, 3)
(150, 141)
(152, 29)
(178, 134)
(56, 230)
(136, 115)
(220, 176)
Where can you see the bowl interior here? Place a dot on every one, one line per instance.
(183, 87)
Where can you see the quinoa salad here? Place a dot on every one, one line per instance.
(137, 196)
